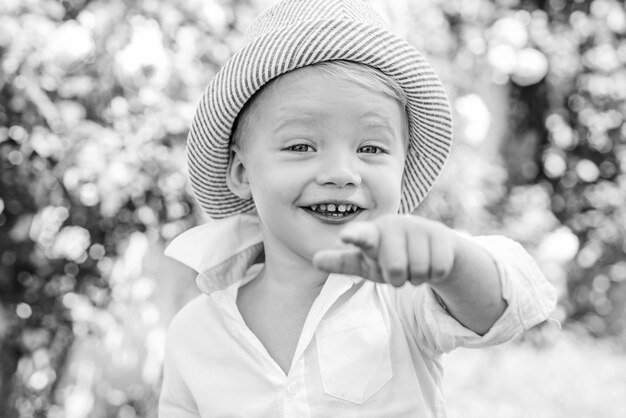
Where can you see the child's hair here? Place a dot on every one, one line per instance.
(360, 74)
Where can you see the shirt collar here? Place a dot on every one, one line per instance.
(221, 251)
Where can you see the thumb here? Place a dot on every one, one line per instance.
(347, 260)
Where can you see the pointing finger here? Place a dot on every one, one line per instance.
(348, 260)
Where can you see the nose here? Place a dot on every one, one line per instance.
(340, 170)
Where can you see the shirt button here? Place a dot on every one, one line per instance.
(292, 388)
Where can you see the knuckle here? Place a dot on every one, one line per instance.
(395, 275)
(396, 270)
(419, 271)
(347, 265)
(439, 272)
(417, 282)
(343, 262)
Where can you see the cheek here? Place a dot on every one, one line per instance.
(269, 185)
(388, 187)
(393, 195)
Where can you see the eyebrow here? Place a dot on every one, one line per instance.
(376, 121)
(297, 121)
(308, 118)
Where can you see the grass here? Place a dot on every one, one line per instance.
(573, 377)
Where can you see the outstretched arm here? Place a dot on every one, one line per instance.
(398, 248)
(472, 292)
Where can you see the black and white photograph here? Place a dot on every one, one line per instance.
(312, 209)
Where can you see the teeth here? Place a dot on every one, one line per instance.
(334, 209)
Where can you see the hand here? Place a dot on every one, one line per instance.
(393, 249)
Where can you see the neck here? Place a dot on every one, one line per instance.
(290, 274)
(293, 276)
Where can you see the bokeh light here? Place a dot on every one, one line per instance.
(96, 99)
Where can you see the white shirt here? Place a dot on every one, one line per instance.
(366, 349)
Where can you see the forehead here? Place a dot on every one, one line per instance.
(309, 96)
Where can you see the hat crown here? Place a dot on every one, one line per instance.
(287, 12)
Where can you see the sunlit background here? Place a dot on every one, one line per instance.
(96, 97)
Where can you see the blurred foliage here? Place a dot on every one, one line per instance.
(561, 187)
(95, 101)
(571, 124)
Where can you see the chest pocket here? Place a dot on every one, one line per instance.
(353, 351)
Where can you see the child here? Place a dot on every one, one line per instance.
(323, 296)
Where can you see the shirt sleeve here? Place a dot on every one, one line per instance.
(530, 299)
(175, 400)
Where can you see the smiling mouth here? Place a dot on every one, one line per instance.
(334, 211)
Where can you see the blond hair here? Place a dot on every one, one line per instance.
(363, 75)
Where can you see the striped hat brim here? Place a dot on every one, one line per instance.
(304, 43)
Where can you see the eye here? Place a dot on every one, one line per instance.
(371, 149)
(300, 148)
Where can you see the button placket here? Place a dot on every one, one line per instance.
(291, 389)
(295, 393)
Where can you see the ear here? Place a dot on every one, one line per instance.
(236, 174)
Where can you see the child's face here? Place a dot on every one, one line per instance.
(317, 153)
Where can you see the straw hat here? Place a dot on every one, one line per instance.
(295, 33)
